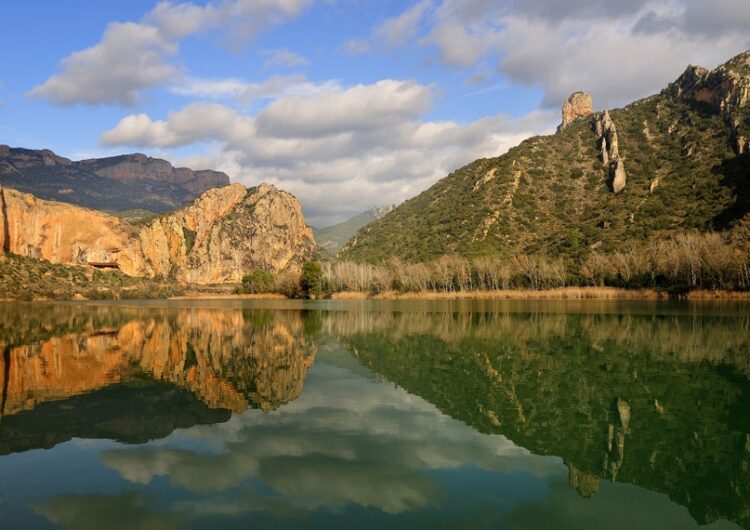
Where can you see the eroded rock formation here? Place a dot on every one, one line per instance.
(226, 233)
(578, 105)
(609, 150)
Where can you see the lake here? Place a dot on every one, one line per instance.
(375, 414)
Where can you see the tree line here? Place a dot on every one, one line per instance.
(685, 262)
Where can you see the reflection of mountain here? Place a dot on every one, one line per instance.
(657, 401)
(227, 359)
(132, 412)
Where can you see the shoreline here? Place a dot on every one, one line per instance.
(563, 293)
(227, 296)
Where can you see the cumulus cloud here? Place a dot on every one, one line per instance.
(130, 58)
(619, 51)
(133, 57)
(341, 151)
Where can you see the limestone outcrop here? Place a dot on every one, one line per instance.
(609, 150)
(226, 233)
(578, 105)
(726, 89)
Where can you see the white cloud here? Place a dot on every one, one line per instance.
(341, 151)
(283, 58)
(130, 58)
(397, 30)
(619, 51)
(133, 57)
(359, 108)
(246, 92)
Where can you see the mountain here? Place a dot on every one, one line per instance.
(333, 237)
(223, 235)
(113, 184)
(673, 162)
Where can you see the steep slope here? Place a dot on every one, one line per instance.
(671, 162)
(115, 184)
(333, 237)
(226, 233)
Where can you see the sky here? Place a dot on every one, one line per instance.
(347, 104)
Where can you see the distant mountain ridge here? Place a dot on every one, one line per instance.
(675, 162)
(331, 238)
(113, 184)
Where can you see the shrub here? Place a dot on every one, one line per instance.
(258, 282)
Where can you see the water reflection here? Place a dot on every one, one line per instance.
(94, 372)
(642, 406)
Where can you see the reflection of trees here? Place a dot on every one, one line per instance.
(229, 359)
(658, 401)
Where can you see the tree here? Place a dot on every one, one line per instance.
(313, 282)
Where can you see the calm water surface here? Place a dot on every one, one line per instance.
(517, 415)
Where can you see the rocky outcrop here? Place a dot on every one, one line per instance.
(725, 89)
(608, 145)
(226, 233)
(116, 183)
(578, 105)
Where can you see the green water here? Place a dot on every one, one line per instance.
(517, 415)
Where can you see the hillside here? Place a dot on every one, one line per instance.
(673, 162)
(333, 237)
(114, 184)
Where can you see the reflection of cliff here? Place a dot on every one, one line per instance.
(132, 412)
(660, 402)
(229, 359)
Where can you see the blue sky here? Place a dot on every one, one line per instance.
(348, 104)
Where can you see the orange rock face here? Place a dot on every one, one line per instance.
(226, 233)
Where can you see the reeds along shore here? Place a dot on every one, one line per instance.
(707, 264)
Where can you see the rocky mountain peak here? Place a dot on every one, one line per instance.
(578, 105)
(725, 89)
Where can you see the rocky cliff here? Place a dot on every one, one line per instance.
(667, 164)
(114, 184)
(578, 105)
(226, 233)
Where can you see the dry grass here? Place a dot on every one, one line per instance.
(351, 295)
(564, 293)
